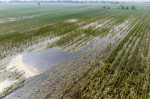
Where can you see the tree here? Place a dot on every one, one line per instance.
(133, 7)
(38, 3)
(122, 7)
(104, 7)
(127, 8)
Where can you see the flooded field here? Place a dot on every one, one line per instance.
(51, 50)
(41, 61)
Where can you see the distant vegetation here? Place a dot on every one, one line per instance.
(123, 7)
(60, 1)
(105, 7)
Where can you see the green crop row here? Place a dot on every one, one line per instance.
(126, 75)
(114, 53)
(128, 68)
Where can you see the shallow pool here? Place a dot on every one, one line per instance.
(42, 60)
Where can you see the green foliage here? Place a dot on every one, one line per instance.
(126, 75)
(66, 39)
(114, 53)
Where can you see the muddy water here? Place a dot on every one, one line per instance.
(43, 60)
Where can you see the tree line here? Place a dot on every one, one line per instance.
(123, 7)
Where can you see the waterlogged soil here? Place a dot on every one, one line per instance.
(52, 82)
(56, 76)
(120, 40)
(62, 68)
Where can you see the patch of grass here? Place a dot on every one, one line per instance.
(124, 77)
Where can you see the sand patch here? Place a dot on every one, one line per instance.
(16, 63)
(5, 84)
(90, 25)
(72, 20)
(102, 24)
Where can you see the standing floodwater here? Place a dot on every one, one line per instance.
(43, 60)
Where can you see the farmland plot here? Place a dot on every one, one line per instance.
(85, 34)
(124, 73)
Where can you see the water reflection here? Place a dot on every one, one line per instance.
(43, 60)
